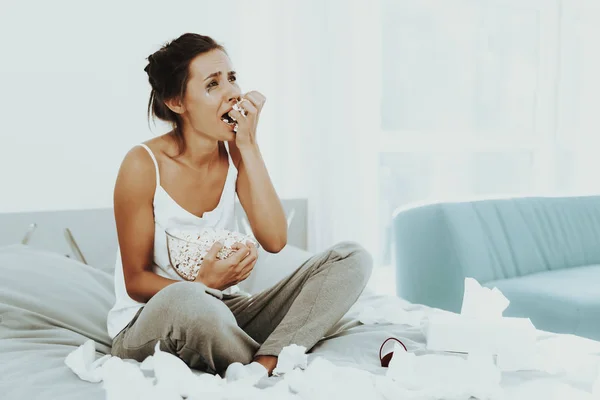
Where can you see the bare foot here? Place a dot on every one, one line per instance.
(269, 362)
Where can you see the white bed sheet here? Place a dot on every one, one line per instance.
(50, 305)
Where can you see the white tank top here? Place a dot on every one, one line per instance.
(167, 214)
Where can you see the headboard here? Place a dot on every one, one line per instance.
(91, 233)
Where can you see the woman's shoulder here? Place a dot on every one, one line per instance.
(139, 157)
(161, 146)
(137, 170)
(136, 174)
(138, 160)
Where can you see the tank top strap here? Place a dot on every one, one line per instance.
(231, 164)
(155, 163)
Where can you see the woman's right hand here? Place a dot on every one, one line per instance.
(221, 274)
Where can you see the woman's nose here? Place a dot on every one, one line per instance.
(234, 94)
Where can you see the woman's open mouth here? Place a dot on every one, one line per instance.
(229, 121)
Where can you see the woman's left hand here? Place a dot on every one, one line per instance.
(252, 103)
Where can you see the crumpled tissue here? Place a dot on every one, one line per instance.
(409, 377)
(482, 302)
(173, 379)
(446, 376)
(83, 362)
(173, 374)
(125, 380)
(481, 328)
(323, 380)
(570, 357)
(291, 357)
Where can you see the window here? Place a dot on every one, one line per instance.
(485, 98)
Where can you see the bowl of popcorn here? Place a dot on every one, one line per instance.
(187, 248)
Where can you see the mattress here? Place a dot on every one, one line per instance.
(50, 305)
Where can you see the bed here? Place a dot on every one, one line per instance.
(56, 288)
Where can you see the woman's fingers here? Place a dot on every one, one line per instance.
(213, 251)
(249, 106)
(247, 271)
(240, 253)
(256, 98)
(248, 262)
(237, 116)
(237, 246)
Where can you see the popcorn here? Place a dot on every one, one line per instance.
(239, 108)
(229, 120)
(187, 249)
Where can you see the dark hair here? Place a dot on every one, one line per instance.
(168, 74)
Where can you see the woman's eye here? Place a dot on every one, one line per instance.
(232, 78)
(212, 84)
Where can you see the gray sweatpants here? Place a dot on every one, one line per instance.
(209, 333)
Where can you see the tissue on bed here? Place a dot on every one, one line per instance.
(124, 380)
(323, 380)
(409, 377)
(482, 302)
(445, 376)
(83, 363)
(512, 340)
(292, 356)
(173, 374)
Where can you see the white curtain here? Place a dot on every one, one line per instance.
(374, 105)
(318, 64)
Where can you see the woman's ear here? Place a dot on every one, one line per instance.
(175, 105)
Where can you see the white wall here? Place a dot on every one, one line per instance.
(74, 94)
(74, 98)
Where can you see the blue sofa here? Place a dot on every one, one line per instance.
(543, 253)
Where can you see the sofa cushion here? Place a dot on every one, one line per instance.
(563, 301)
(436, 246)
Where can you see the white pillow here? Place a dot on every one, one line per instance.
(49, 306)
(48, 298)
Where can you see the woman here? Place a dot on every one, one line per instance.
(190, 176)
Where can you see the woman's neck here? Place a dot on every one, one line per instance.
(200, 152)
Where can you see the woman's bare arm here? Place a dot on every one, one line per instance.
(259, 198)
(134, 217)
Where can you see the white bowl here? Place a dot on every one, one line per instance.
(187, 249)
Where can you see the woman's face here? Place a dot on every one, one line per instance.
(211, 91)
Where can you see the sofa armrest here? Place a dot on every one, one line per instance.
(427, 267)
